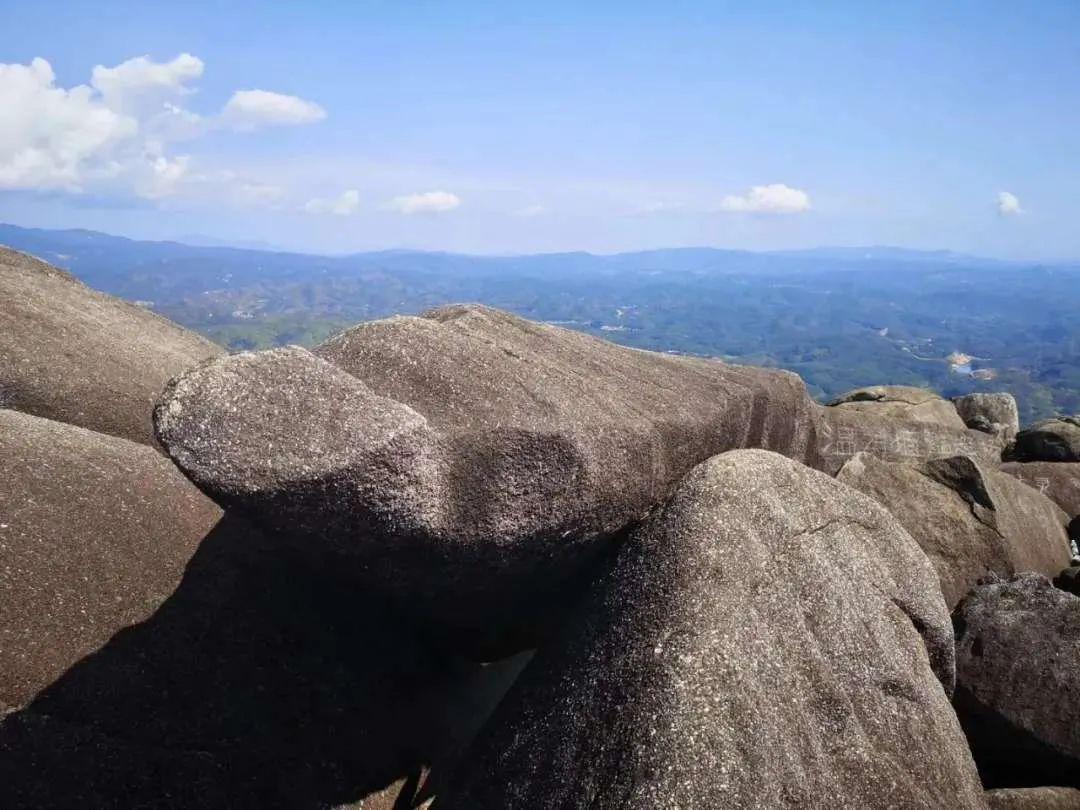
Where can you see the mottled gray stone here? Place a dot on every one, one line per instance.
(902, 402)
(1057, 480)
(76, 355)
(969, 518)
(1055, 439)
(996, 413)
(1018, 676)
(471, 461)
(95, 533)
(1036, 798)
(769, 638)
(302, 445)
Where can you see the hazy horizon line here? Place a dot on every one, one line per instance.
(206, 241)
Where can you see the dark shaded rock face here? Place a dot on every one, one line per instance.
(901, 402)
(1069, 580)
(1058, 481)
(155, 654)
(471, 461)
(261, 682)
(76, 355)
(1018, 675)
(1039, 798)
(1050, 440)
(969, 518)
(95, 533)
(769, 638)
(991, 413)
(843, 432)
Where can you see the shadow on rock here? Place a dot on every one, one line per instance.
(1007, 754)
(261, 682)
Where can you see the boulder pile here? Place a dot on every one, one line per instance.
(424, 450)
(969, 518)
(467, 561)
(768, 638)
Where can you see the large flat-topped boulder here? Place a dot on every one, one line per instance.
(95, 533)
(1056, 439)
(770, 638)
(467, 459)
(901, 401)
(970, 518)
(470, 369)
(1017, 678)
(843, 432)
(76, 355)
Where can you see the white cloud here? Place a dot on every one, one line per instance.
(51, 136)
(428, 202)
(140, 84)
(113, 135)
(174, 123)
(250, 109)
(1008, 204)
(347, 204)
(776, 198)
(163, 176)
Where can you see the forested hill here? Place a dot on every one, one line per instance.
(841, 317)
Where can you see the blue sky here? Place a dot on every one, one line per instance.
(509, 127)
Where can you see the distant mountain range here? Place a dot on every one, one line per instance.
(83, 245)
(841, 317)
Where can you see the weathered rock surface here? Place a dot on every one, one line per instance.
(1055, 439)
(996, 414)
(1018, 675)
(768, 639)
(901, 402)
(474, 462)
(263, 681)
(95, 533)
(76, 355)
(843, 432)
(1059, 481)
(1037, 798)
(969, 518)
